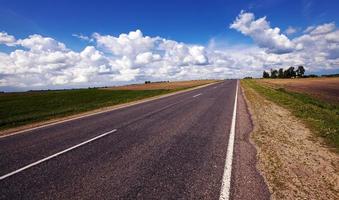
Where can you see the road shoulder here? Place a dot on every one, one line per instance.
(247, 182)
(294, 163)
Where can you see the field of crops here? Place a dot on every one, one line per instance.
(23, 108)
(26, 107)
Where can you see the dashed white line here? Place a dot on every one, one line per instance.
(55, 155)
(226, 179)
(197, 95)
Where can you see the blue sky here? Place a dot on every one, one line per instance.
(190, 21)
(132, 41)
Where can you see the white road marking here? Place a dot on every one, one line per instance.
(55, 155)
(197, 95)
(226, 179)
(215, 87)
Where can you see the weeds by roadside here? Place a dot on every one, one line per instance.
(321, 117)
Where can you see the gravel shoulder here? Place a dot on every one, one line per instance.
(294, 162)
(247, 182)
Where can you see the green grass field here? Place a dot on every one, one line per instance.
(320, 116)
(23, 108)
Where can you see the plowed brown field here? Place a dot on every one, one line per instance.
(163, 85)
(324, 88)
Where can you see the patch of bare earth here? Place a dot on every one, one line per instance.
(292, 160)
(163, 85)
(326, 88)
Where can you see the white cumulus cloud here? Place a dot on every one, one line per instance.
(322, 29)
(129, 44)
(291, 30)
(6, 39)
(42, 61)
(262, 33)
(39, 62)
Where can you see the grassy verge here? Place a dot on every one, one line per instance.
(321, 117)
(23, 108)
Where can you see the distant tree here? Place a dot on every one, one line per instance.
(274, 73)
(300, 71)
(265, 74)
(289, 73)
(311, 76)
(330, 75)
(292, 72)
(281, 73)
(286, 74)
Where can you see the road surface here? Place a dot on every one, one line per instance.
(170, 148)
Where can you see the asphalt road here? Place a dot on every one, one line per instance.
(170, 148)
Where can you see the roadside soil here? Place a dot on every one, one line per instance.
(162, 85)
(293, 162)
(324, 88)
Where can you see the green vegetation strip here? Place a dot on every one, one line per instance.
(321, 117)
(23, 108)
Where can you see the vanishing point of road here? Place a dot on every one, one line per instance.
(191, 145)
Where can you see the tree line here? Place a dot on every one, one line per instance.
(291, 72)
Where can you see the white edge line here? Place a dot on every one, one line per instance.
(197, 95)
(226, 179)
(55, 155)
(109, 110)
